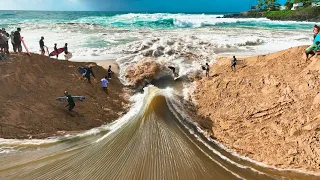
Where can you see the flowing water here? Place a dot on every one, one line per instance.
(155, 140)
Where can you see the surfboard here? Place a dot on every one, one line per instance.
(24, 45)
(68, 56)
(75, 98)
(47, 50)
(82, 70)
(54, 53)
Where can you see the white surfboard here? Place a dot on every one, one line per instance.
(75, 98)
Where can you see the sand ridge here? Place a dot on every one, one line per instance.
(29, 86)
(268, 110)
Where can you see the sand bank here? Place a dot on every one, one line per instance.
(30, 85)
(268, 109)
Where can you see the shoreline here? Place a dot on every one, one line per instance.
(256, 120)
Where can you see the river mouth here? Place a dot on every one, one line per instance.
(155, 140)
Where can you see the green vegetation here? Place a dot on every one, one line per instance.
(288, 4)
(303, 14)
(268, 5)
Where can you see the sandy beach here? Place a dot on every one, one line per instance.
(267, 110)
(30, 86)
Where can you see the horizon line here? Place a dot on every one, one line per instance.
(197, 12)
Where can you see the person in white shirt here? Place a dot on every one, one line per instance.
(104, 84)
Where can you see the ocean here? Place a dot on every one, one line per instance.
(156, 138)
(129, 37)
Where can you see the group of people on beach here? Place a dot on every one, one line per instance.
(67, 54)
(87, 75)
(233, 63)
(16, 39)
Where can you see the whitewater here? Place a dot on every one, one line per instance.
(103, 35)
(156, 138)
(166, 37)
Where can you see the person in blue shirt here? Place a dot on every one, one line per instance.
(104, 84)
(311, 50)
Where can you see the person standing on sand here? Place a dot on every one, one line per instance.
(316, 29)
(7, 37)
(17, 40)
(233, 63)
(66, 48)
(109, 72)
(311, 50)
(56, 49)
(104, 84)
(71, 103)
(207, 70)
(2, 43)
(88, 74)
(41, 43)
(12, 42)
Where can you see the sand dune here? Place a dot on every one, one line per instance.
(29, 87)
(268, 110)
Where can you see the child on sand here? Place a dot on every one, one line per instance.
(311, 50)
(104, 84)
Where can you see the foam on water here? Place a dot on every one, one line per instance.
(102, 35)
(12, 145)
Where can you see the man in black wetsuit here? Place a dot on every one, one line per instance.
(173, 69)
(66, 48)
(233, 63)
(17, 40)
(88, 73)
(41, 43)
(109, 72)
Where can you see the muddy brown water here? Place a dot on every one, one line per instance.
(157, 142)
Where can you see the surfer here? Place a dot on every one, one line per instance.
(41, 43)
(88, 73)
(56, 49)
(104, 84)
(12, 41)
(2, 43)
(173, 69)
(6, 37)
(233, 63)
(66, 48)
(17, 40)
(109, 72)
(71, 103)
(311, 50)
(207, 70)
